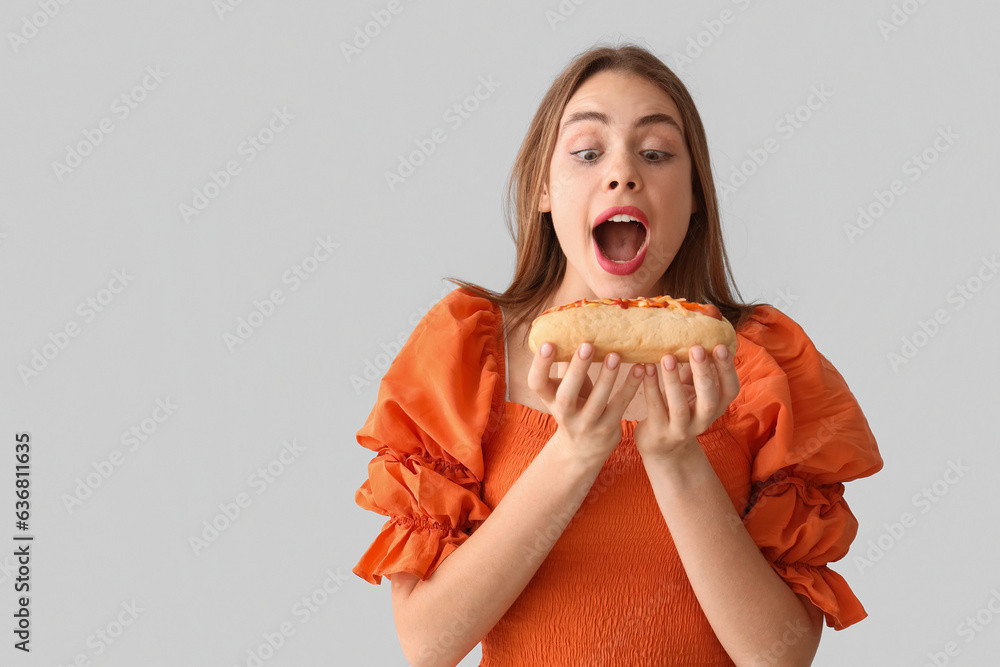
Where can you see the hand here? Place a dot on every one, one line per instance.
(588, 415)
(678, 413)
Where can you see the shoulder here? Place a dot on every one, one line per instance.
(461, 304)
(793, 399)
(770, 342)
(443, 387)
(771, 333)
(459, 319)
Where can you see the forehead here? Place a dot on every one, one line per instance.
(623, 97)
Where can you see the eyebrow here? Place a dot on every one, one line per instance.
(645, 121)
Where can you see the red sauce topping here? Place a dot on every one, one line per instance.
(643, 302)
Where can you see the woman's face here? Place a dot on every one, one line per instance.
(620, 150)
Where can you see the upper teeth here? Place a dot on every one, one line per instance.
(621, 217)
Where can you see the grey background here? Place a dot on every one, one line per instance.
(323, 176)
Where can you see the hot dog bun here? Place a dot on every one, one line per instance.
(640, 330)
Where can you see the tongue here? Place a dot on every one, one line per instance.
(620, 241)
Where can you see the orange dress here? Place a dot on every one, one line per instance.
(612, 591)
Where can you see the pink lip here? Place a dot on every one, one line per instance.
(631, 266)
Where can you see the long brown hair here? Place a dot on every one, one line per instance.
(699, 272)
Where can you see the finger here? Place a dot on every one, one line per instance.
(729, 380)
(651, 385)
(586, 387)
(568, 393)
(597, 401)
(705, 385)
(685, 372)
(625, 394)
(677, 405)
(712, 371)
(538, 375)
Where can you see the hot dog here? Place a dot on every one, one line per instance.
(641, 330)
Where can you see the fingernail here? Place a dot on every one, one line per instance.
(698, 353)
(723, 353)
(637, 370)
(586, 350)
(612, 361)
(650, 369)
(546, 350)
(669, 362)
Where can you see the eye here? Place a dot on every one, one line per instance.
(656, 156)
(583, 155)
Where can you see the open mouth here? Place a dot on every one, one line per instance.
(620, 238)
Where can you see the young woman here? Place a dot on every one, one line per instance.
(588, 513)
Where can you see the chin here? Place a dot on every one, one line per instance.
(622, 287)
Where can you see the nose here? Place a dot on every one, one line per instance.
(628, 184)
(622, 171)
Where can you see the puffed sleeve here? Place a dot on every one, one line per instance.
(806, 435)
(434, 404)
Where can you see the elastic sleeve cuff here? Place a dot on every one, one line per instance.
(800, 527)
(408, 545)
(826, 589)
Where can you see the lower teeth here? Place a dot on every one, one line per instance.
(622, 261)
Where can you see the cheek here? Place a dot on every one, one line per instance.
(678, 195)
(668, 243)
(564, 185)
